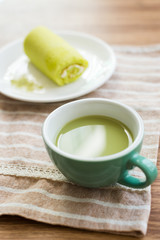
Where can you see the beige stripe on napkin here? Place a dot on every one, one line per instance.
(30, 186)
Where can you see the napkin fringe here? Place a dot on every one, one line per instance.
(51, 174)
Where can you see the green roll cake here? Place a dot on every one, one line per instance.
(54, 56)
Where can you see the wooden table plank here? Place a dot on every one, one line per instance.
(133, 22)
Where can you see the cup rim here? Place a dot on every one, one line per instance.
(120, 154)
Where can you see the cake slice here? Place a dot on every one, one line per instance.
(53, 56)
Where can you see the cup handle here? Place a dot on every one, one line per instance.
(147, 167)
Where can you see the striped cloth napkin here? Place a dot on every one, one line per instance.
(30, 186)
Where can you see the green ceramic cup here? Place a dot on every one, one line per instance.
(100, 171)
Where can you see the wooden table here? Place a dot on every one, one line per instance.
(132, 22)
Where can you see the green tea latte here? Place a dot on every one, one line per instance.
(94, 136)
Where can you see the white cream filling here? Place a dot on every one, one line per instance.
(67, 70)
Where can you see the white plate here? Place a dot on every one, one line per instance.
(13, 62)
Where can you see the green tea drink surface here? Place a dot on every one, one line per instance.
(94, 136)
